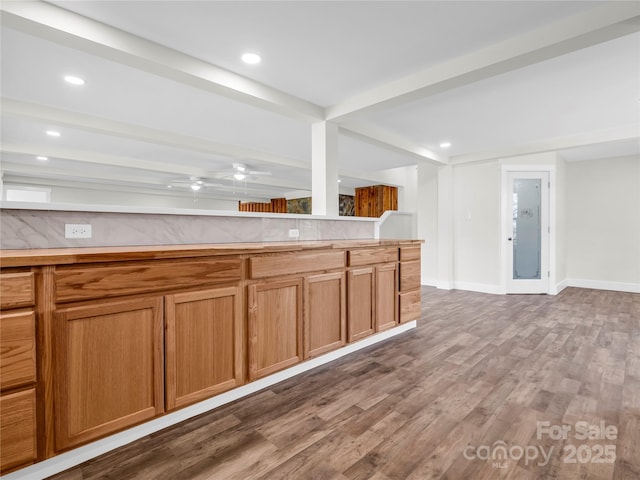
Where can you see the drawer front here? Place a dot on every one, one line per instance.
(409, 253)
(295, 263)
(17, 349)
(17, 429)
(17, 290)
(100, 281)
(409, 275)
(370, 256)
(410, 306)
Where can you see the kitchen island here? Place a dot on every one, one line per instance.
(100, 340)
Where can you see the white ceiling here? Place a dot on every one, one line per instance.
(167, 96)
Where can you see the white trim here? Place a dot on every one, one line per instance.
(559, 287)
(444, 285)
(603, 285)
(429, 281)
(76, 207)
(79, 455)
(479, 287)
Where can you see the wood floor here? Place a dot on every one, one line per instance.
(479, 373)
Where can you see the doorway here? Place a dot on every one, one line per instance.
(526, 228)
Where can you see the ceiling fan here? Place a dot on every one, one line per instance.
(240, 172)
(194, 183)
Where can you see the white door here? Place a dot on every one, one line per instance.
(527, 229)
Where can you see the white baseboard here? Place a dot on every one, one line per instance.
(559, 287)
(429, 282)
(604, 285)
(479, 287)
(444, 285)
(79, 455)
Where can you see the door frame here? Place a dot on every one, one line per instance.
(505, 219)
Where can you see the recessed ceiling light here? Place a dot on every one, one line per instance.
(73, 80)
(445, 144)
(53, 133)
(339, 180)
(169, 186)
(42, 158)
(195, 187)
(251, 58)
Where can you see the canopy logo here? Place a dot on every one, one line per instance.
(500, 453)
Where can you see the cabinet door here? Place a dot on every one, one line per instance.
(325, 326)
(17, 429)
(275, 324)
(203, 344)
(108, 368)
(386, 296)
(361, 307)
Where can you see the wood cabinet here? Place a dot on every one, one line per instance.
(109, 367)
(325, 320)
(17, 371)
(361, 306)
(204, 344)
(18, 429)
(386, 296)
(275, 326)
(94, 341)
(375, 200)
(409, 297)
(372, 291)
(18, 344)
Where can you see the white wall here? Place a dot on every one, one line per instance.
(603, 223)
(427, 209)
(560, 189)
(476, 226)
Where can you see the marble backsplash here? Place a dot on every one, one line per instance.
(23, 229)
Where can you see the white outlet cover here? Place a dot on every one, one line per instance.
(77, 230)
(294, 233)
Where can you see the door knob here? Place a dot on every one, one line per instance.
(509, 239)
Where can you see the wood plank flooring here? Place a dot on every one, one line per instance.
(478, 373)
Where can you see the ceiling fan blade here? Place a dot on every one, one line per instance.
(258, 172)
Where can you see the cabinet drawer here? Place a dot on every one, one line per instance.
(294, 263)
(370, 256)
(16, 290)
(409, 253)
(17, 349)
(101, 281)
(410, 306)
(409, 275)
(17, 429)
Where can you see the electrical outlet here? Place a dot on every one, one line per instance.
(77, 230)
(294, 233)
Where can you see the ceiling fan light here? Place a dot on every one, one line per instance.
(195, 187)
(239, 176)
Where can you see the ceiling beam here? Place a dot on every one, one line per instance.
(609, 21)
(386, 139)
(628, 132)
(62, 26)
(28, 180)
(175, 170)
(92, 157)
(105, 126)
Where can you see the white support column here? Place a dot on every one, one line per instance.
(324, 169)
(445, 227)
